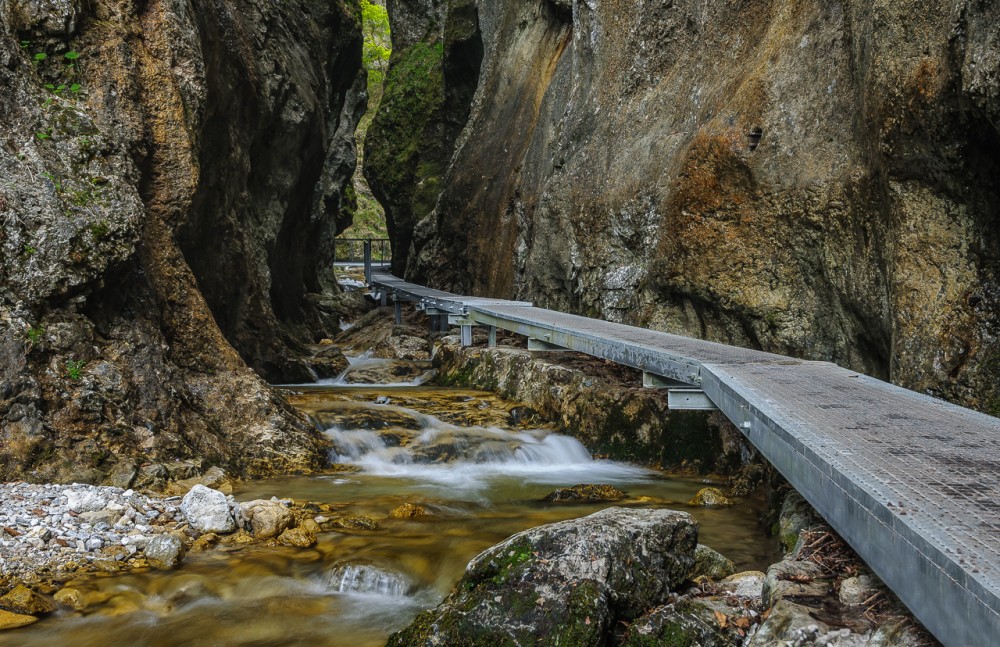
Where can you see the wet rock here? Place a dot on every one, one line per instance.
(10, 620)
(795, 516)
(710, 497)
(521, 415)
(712, 564)
(23, 600)
(598, 404)
(70, 597)
(585, 493)
(408, 511)
(690, 621)
(402, 346)
(298, 537)
(569, 581)
(391, 372)
(329, 362)
(311, 525)
(207, 510)
(205, 541)
(165, 551)
(355, 522)
(266, 519)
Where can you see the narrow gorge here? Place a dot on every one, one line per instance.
(179, 328)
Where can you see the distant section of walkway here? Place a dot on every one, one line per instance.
(911, 482)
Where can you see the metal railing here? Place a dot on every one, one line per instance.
(362, 251)
(352, 250)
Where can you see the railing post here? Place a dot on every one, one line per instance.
(368, 261)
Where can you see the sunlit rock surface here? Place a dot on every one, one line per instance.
(817, 179)
(170, 180)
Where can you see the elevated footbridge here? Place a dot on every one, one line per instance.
(912, 483)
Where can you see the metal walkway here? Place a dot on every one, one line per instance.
(911, 482)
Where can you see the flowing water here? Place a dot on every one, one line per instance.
(465, 456)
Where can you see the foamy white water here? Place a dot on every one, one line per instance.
(443, 454)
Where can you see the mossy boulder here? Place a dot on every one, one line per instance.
(711, 497)
(408, 511)
(570, 581)
(711, 564)
(689, 622)
(585, 493)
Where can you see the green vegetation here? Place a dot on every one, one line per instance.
(74, 368)
(35, 334)
(368, 216)
(377, 47)
(403, 151)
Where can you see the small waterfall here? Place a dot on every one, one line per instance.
(368, 580)
(415, 445)
(367, 362)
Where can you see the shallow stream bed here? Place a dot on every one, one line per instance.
(472, 461)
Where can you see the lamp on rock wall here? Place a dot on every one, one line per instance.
(754, 136)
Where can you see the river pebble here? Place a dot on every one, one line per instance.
(57, 528)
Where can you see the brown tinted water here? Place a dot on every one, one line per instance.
(456, 453)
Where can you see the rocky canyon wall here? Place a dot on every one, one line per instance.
(610, 166)
(171, 174)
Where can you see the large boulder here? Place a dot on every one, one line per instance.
(207, 510)
(266, 519)
(570, 581)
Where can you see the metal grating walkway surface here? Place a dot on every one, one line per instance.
(911, 482)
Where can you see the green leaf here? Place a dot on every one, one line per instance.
(49, 86)
(75, 88)
(41, 56)
(71, 55)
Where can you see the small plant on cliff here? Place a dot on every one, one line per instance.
(35, 334)
(74, 368)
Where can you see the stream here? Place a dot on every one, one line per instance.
(476, 464)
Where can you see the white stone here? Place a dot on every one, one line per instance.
(84, 500)
(207, 510)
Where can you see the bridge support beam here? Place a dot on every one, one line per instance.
(491, 341)
(541, 344)
(654, 381)
(466, 335)
(689, 400)
(398, 307)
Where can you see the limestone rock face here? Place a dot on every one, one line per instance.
(818, 180)
(437, 50)
(170, 179)
(569, 581)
